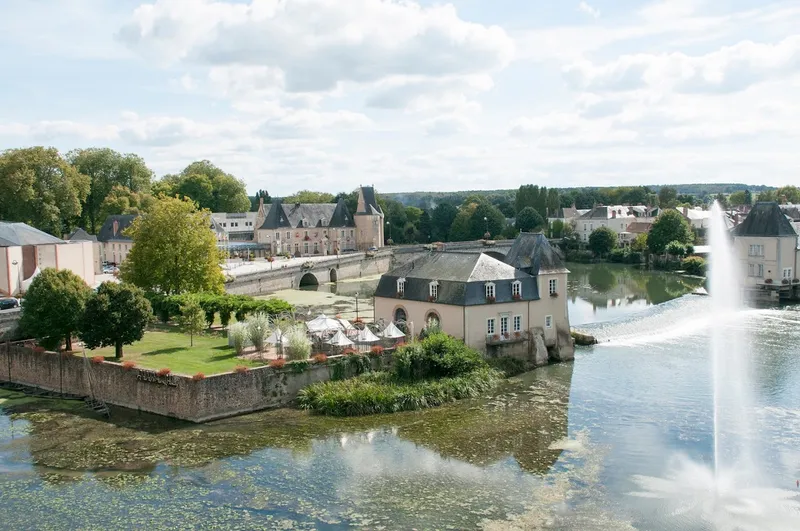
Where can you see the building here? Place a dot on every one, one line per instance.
(25, 250)
(234, 226)
(80, 235)
(114, 244)
(488, 303)
(320, 228)
(768, 248)
(698, 218)
(616, 218)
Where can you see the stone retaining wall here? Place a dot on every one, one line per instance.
(176, 396)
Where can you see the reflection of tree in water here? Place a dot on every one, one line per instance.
(602, 278)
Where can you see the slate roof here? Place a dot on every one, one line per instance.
(12, 234)
(80, 235)
(606, 212)
(462, 279)
(370, 202)
(765, 220)
(566, 213)
(113, 231)
(791, 211)
(532, 253)
(640, 227)
(278, 215)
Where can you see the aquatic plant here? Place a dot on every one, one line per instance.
(238, 333)
(296, 343)
(279, 363)
(164, 372)
(240, 369)
(258, 328)
(128, 365)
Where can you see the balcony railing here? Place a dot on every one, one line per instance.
(500, 339)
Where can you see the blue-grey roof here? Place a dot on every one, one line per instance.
(80, 235)
(765, 219)
(278, 215)
(532, 253)
(370, 202)
(462, 279)
(113, 226)
(12, 234)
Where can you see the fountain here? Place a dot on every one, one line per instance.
(730, 494)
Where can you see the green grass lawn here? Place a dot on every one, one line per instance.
(159, 349)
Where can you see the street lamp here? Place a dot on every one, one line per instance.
(486, 235)
(389, 241)
(10, 289)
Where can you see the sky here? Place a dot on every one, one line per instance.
(413, 95)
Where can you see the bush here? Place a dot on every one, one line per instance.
(240, 369)
(438, 356)
(376, 351)
(258, 328)
(676, 248)
(279, 363)
(238, 333)
(296, 343)
(694, 265)
(128, 365)
(379, 392)
(582, 257)
(164, 372)
(320, 358)
(618, 255)
(507, 365)
(199, 376)
(98, 359)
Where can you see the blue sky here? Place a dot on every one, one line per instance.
(471, 94)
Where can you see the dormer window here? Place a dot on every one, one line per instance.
(489, 287)
(322, 222)
(401, 287)
(516, 289)
(433, 290)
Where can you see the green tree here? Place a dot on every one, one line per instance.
(443, 216)
(557, 229)
(669, 226)
(254, 201)
(737, 198)
(198, 188)
(425, 227)
(42, 189)
(722, 200)
(413, 214)
(351, 201)
(122, 200)
(54, 304)
(208, 186)
(602, 241)
(788, 194)
(667, 197)
(309, 196)
(529, 220)
(639, 243)
(676, 248)
(106, 170)
(192, 318)
(116, 315)
(173, 250)
(553, 202)
(748, 198)
(485, 218)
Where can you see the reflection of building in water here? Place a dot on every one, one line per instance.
(525, 423)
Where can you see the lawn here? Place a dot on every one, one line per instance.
(159, 349)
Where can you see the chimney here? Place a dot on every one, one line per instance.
(297, 205)
(686, 211)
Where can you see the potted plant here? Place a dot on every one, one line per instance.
(307, 238)
(768, 281)
(516, 296)
(490, 299)
(785, 281)
(431, 298)
(554, 295)
(796, 281)
(496, 337)
(517, 334)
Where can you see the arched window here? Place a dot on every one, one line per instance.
(400, 315)
(433, 320)
(490, 291)
(516, 289)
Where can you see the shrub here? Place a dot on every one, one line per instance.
(694, 265)
(676, 248)
(199, 376)
(164, 372)
(225, 313)
(299, 367)
(579, 256)
(240, 369)
(238, 333)
(618, 255)
(296, 343)
(376, 351)
(258, 328)
(279, 363)
(507, 365)
(438, 356)
(98, 359)
(320, 358)
(128, 365)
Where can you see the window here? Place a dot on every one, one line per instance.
(591, 227)
(351, 233)
(342, 234)
(401, 286)
(305, 247)
(489, 290)
(584, 227)
(787, 273)
(517, 323)
(553, 286)
(490, 326)
(433, 289)
(325, 234)
(296, 247)
(400, 315)
(305, 235)
(277, 236)
(288, 235)
(516, 289)
(548, 321)
(760, 270)
(432, 320)
(756, 270)
(756, 250)
(504, 325)
(316, 248)
(223, 224)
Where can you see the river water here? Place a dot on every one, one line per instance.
(558, 448)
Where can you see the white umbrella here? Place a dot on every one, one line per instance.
(366, 336)
(323, 323)
(340, 340)
(392, 332)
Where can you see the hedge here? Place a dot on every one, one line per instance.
(166, 307)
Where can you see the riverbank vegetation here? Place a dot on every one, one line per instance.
(435, 371)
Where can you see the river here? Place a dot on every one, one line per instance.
(558, 448)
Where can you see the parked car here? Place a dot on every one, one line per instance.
(8, 303)
(373, 248)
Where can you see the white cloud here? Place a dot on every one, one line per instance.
(447, 126)
(585, 8)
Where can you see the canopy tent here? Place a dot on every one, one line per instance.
(346, 325)
(366, 336)
(340, 340)
(323, 323)
(392, 332)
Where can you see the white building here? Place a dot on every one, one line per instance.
(616, 218)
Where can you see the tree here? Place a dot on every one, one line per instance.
(40, 188)
(198, 188)
(443, 216)
(748, 198)
(722, 200)
(557, 229)
(737, 198)
(788, 194)
(208, 186)
(309, 196)
(485, 218)
(602, 241)
(413, 214)
(425, 227)
(106, 170)
(553, 202)
(639, 243)
(54, 304)
(254, 201)
(669, 226)
(529, 220)
(351, 201)
(173, 250)
(192, 318)
(122, 200)
(676, 248)
(667, 197)
(116, 315)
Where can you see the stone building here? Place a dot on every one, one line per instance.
(320, 228)
(498, 308)
(114, 244)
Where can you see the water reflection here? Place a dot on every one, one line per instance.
(599, 292)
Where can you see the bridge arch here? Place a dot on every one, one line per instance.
(308, 279)
(333, 275)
